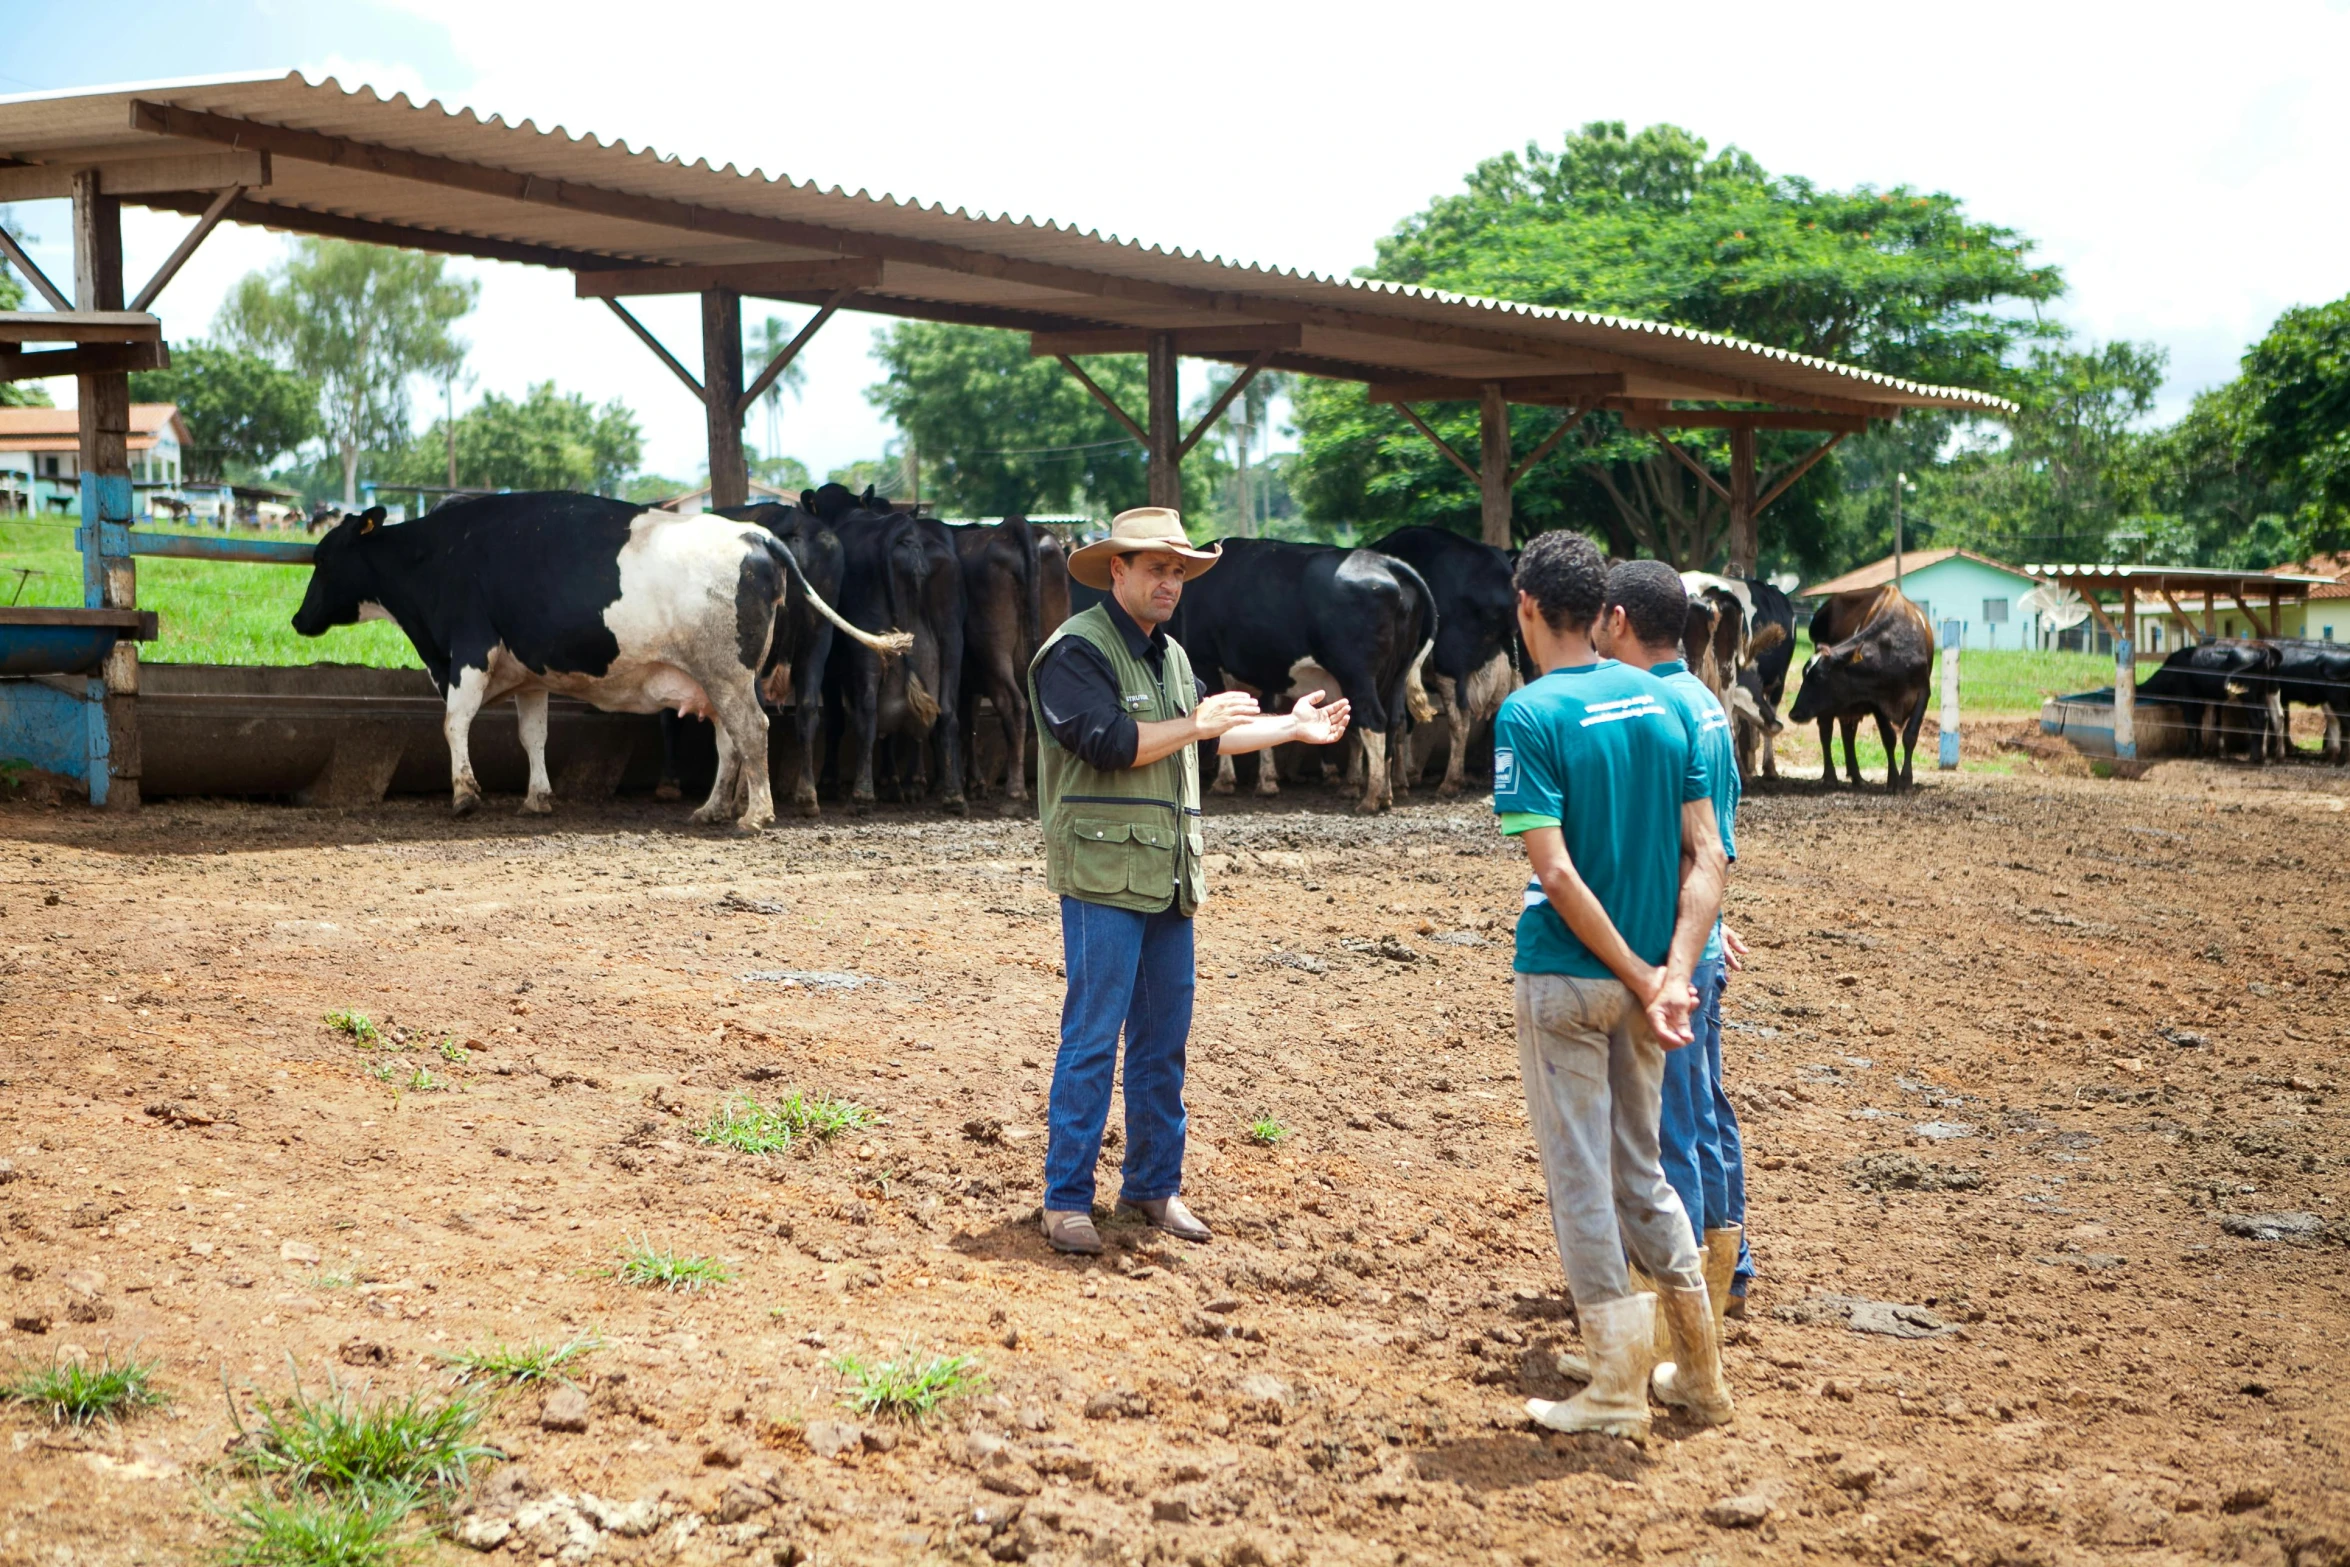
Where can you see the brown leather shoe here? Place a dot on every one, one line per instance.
(1169, 1214)
(1072, 1231)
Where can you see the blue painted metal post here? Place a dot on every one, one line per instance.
(1950, 638)
(109, 580)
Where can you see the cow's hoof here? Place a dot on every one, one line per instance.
(957, 806)
(752, 826)
(1448, 788)
(808, 808)
(538, 805)
(707, 816)
(665, 790)
(861, 805)
(466, 804)
(1368, 807)
(1220, 786)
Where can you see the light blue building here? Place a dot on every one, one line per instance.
(1983, 595)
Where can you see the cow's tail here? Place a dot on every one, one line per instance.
(889, 644)
(1415, 687)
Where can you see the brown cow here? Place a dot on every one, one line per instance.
(1001, 615)
(1875, 656)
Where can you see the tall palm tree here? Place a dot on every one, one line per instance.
(761, 345)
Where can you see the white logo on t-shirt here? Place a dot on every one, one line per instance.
(1505, 770)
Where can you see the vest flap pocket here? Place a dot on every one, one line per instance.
(1094, 829)
(1158, 837)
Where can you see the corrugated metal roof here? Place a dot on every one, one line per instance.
(517, 192)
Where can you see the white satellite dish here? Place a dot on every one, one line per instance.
(2060, 606)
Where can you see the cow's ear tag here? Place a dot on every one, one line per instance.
(371, 519)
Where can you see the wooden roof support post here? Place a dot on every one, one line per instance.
(722, 393)
(109, 580)
(2125, 679)
(1164, 433)
(2186, 624)
(1745, 537)
(1493, 465)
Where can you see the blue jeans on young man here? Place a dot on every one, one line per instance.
(1698, 1138)
(1133, 972)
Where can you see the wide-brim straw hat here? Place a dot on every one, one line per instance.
(1143, 528)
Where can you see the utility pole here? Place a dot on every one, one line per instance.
(1900, 483)
(1243, 432)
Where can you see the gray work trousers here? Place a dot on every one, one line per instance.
(1593, 1070)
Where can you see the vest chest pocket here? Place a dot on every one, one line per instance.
(1110, 857)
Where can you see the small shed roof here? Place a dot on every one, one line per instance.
(59, 429)
(313, 157)
(1879, 572)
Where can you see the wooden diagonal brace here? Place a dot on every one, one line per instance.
(33, 275)
(692, 383)
(1694, 466)
(1104, 398)
(187, 247)
(782, 360)
(1574, 417)
(1239, 384)
(1421, 425)
(1802, 466)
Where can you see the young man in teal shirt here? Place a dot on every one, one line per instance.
(1643, 624)
(1596, 774)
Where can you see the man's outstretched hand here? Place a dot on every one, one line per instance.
(1318, 724)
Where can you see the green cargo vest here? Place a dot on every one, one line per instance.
(1129, 839)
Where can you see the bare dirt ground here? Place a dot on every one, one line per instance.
(2018, 1055)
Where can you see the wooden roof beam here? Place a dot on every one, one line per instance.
(1544, 390)
(369, 231)
(1196, 341)
(756, 278)
(1743, 419)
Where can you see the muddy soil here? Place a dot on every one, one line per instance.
(2025, 1056)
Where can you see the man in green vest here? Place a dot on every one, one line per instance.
(1118, 714)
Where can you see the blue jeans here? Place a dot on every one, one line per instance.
(1698, 1130)
(1124, 969)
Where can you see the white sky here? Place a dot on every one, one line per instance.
(2181, 164)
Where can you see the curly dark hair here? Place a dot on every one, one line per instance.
(1562, 572)
(1653, 599)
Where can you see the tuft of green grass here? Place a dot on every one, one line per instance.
(357, 1025)
(908, 1388)
(1266, 1131)
(76, 1393)
(747, 1126)
(422, 1082)
(536, 1361)
(309, 1531)
(343, 1444)
(657, 1267)
(382, 1071)
(452, 1051)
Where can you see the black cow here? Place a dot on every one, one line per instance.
(803, 639)
(1876, 657)
(1003, 609)
(2315, 674)
(2224, 691)
(902, 571)
(1274, 617)
(632, 610)
(1471, 669)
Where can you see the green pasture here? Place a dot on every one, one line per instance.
(212, 612)
(2007, 683)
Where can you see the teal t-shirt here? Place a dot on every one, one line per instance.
(1702, 713)
(1599, 751)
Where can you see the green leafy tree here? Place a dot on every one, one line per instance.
(1001, 432)
(1653, 225)
(17, 394)
(544, 440)
(785, 473)
(243, 413)
(2296, 428)
(2070, 472)
(358, 322)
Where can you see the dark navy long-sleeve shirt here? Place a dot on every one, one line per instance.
(1077, 695)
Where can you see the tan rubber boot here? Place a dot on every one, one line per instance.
(1693, 1382)
(1616, 1402)
(1660, 1339)
(1721, 1267)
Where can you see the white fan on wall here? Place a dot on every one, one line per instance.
(2056, 604)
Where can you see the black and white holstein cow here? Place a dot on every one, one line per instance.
(1474, 664)
(1278, 619)
(631, 610)
(1751, 645)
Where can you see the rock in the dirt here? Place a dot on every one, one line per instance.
(879, 1439)
(1738, 1512)
(31, 1321)
(298, 1251)
(630, 1520)
(1170, 1509)
(1854, 1474)
(481, 1532)
(2289, 1226)
(740, 1501)
(831, 1438)
(88, 1283)
(1866, 1316)
(1263, 1386)
(728, 1452)
(554, 1526)
(358, 1352)
(1011, 1480)
(566, 1409)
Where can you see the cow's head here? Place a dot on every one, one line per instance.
(340, 581)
